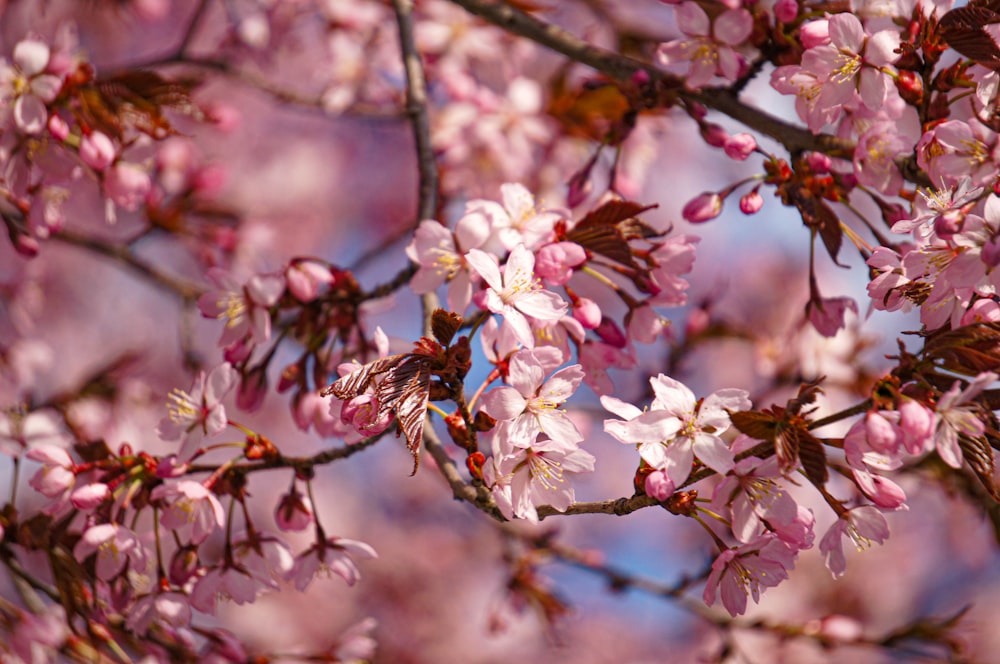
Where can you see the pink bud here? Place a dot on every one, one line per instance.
(991, 251)
(714, 135)
(704, 207)
(252, 390)
(587, 313)
(786, 10)
(97, 150)
(815, 33)
(740, 146)
(127, 185)
(917, 423)
(25, 245)
(698, 321)
(171, 466)
(947, 224)
(982, 311)
(819, 162)
(882, 491)
(751, 203)
(294, 512)
(611, 334)
(640, 77)
(184, 565)
(58, 127)
(882, 435)
(659, 486)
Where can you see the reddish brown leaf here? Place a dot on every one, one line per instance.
(351, 385)
(136, 100)
(612, 213)
(444, 325)
(813, 457)
(604, 240)
(963, 29)
(761, 426)
(979, 456)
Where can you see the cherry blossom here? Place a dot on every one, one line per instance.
(677, 427)
(530, 406)
(516, 294)
(711, 51)
(528, 477)
(189, 509)
(748, 570)
(332, 556)
(862, 526)
(199, 413)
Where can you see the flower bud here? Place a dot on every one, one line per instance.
(659, 486)
(910, 86)
(740, 146)
(786, 10)
(714, 135)
(184, 565)
(751, 203)
(294, 512)
(97, 150)
(587, 313)
(703, 207)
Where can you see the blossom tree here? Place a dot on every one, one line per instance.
(602, 329)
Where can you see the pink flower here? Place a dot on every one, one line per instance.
(335, 555)
(957, 415)
(710, 51)
(677, 427)
(27, 84)
(555, 262)
(189, 509)
(304, 279)
(167, 608)
(199, 412)
(516, 293)
(56, 477)
(223, 582)
(243, 308)
(439, 253)
(529, 477)
(748, 570)
(531, 405)
(115, 546)
(862, 525)
(755, 497)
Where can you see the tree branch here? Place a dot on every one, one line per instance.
(623, 68)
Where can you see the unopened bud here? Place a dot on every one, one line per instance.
(702, 208)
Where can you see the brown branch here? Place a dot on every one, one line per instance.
(126, 258)
(416, 108)
(298, 463)
(617, 507)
